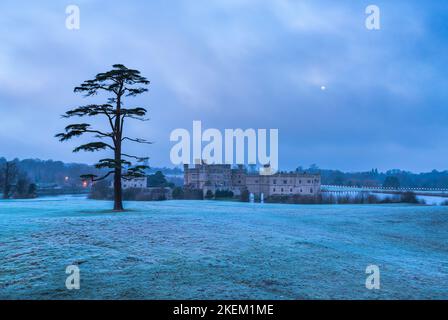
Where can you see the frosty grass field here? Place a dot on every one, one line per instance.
(221, 250)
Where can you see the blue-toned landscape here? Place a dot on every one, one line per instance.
(238, 150)
(221, 250)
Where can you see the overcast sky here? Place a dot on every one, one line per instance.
(238, 64)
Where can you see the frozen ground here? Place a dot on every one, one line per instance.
(221, 250)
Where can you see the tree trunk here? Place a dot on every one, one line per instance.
(118, 195)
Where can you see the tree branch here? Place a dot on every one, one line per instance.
(92, 177)
(111, 164)
(93, 146)
(75, 130)
(139, 159)
(138, 140)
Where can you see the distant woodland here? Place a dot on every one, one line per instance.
(43, 172)
(37, 171)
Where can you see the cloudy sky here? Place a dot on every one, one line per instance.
(239, 64)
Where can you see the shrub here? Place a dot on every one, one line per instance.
(131, 194)
(101, 190)
(178, 193)
(408, 197)
(223, 194)
(193, 194)
(245, 196)
(209, 194)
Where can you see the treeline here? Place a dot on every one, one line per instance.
(14, 183)
(158, 188)
(60, 173)
(68, 174)
(373, 178)
(322, 198)
(360, 198)
(52, 172)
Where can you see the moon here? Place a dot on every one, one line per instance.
(323, 88)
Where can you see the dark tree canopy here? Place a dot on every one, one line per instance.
(391, 182)
(8, 176)
(157, 180)
(118, 83)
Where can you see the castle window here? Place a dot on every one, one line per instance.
(282, 189)
(311, 190)
(290, 190)
(275, 181)
(300, 181)
(273, 190)
(309, 181)
(285, 181)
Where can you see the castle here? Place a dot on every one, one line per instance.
(222, 177)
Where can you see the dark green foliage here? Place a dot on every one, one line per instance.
(193, 194)
(32, 189)
(221, 194)
(155, 194)
(9, 173)
(48, 171)
(209, 195)
(408, 197)
(101, 190)
(15, 183)
(360, 198)
(157, 180)
(178, 193)
(24, 189)
(433, 179)
(118, 83)
(245, 196)
(93, 146)
(391, 182)
(22, 186)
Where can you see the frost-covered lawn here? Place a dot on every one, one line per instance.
(221, 250)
